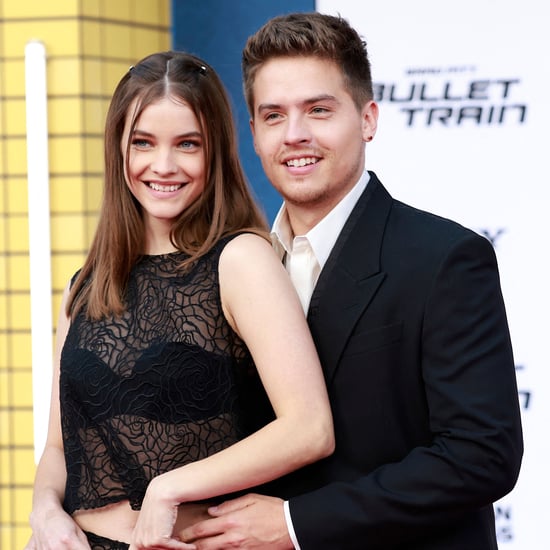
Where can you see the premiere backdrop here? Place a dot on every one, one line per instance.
(464, 112)
(463, 92)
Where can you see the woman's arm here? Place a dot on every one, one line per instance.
(261, 304)
(52, 527)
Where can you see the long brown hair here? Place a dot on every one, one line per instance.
(310, 34)
(226, 205)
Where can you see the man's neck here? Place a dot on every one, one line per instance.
(304, 218)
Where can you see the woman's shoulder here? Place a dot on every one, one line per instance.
(248, 246)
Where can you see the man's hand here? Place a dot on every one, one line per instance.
(252, 521)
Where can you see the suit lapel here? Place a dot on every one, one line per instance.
(351, 276)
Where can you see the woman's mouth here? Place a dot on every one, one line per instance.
(165, 188)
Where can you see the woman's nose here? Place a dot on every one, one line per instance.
(163, 162)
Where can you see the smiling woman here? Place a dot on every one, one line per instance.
(168, 393)
(165, 165)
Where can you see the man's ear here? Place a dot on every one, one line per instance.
(369, 115)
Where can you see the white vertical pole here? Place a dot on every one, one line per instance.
(39, 237)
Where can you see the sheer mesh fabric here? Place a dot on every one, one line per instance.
(166, 384)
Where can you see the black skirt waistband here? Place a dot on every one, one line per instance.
(103, 543)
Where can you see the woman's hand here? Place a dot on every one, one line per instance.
(156, 520)
(56, 532)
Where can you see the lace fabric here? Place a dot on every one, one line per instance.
(167, 383)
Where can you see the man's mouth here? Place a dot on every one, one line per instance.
(304, 161)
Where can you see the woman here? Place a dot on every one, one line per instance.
(180, 305)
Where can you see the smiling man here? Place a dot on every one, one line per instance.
(407, 314)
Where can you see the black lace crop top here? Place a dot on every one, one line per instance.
(166, 384)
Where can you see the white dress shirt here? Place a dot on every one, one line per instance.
(321, 238)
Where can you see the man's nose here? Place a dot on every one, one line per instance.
(297, 130)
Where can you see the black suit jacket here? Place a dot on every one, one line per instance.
(410, 325)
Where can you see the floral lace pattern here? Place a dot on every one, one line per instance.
(166, 384)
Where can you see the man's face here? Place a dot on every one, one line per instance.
(308, 133)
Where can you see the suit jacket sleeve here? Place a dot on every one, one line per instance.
(474, 454)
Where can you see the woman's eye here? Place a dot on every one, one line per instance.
(137, 142)
(189, 144)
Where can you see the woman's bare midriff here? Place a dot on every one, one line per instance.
(117, 521)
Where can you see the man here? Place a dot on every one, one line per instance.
(407, 315)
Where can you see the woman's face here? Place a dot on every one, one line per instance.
(165, 162)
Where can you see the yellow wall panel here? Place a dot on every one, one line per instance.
(67, 232)
(5, 436)
(16, 155)
(39, 8)
(3, 356)
(19, 309)
(117, 39)
(5, 460)
(94, 192)
(2, 246)
(14, 77)
(121, 9)
(4, 383)
(23, 504)
(18, 273)
(23, 429)
(148, 41)
(91, 224)
(65, 115)
(65, 155)
(66, 194)
(92, 76)
(17, 196)
(63, 75)
(154, 12)
(92, 8)
(60, 37)
(17, 233)
(21, 350)
(15, 117)
(4, 313)
(64, 266)
(22, 384)
(24, 468)
(91, 32)
(95, 112)
(7, 536)
(21, 533)
(93, 156)
(56, 301)
(115, 70)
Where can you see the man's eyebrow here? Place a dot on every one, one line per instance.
(268, 107)
(303, 103)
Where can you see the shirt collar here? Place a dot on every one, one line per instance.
(323, 236)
